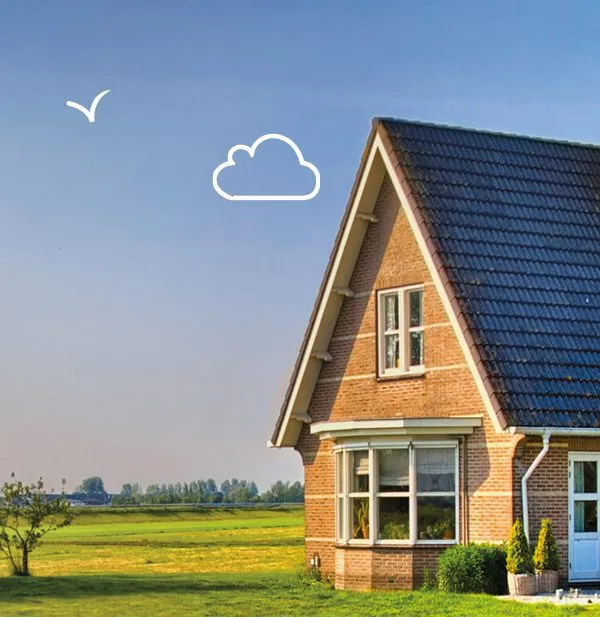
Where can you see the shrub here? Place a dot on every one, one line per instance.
(312, 577)
(546, 552)
(518, 558)
(494, 557)
(474, 568)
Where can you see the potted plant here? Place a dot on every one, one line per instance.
(448, 533)
(519, 564)
(361, 528)
(546, 560)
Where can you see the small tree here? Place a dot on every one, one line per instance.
(518, 557)
(27, 514)
(546, 552)
(92, 489)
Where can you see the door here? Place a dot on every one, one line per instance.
(584, 496)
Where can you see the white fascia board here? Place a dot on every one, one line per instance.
(327, 296)
(378, 148)
(418, 234)
(555, 431)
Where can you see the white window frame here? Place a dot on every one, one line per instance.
(404, 331)
(343, 496)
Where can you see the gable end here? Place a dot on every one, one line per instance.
(379, 159)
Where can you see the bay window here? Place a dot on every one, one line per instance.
(400, 336)
(402, 493)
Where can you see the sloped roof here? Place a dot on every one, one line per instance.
(517, 224)
(512, 227)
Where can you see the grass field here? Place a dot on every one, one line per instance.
(222, 563)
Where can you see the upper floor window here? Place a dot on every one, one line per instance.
(400, 337)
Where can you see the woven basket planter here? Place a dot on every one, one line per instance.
(547, 581)
(522, 584)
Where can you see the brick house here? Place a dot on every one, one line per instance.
(449, 378)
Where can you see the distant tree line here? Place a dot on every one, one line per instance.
(208, 491)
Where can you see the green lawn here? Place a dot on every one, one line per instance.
(208, 563)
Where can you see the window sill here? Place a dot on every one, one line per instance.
(405, 544)
(397, 376)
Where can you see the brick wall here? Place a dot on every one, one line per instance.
(349, 389)
(548, 487)
(384, 568)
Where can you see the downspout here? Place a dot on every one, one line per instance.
(528, 473)
(465, 493)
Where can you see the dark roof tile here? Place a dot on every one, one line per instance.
(517, 223)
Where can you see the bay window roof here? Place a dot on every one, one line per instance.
(458, 425)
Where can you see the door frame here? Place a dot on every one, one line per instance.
(573, 457)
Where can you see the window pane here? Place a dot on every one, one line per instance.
(360, 471)
(586, 477)
(339, 484)
(390, 311)
(340, 518)
(392, 351)
(415, 301)
(416, 348)
(436, 518)
(360, 518)
(393, 518)
(586, 516)
(435, 470)
(393, 470)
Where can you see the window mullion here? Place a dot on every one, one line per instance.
(373, 481)
(457, 534)
(345, 500)
(412, 488)
(402, 322)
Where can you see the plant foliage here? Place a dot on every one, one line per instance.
(518, 559)
(27, 514)
(474, 568)
(546, 552)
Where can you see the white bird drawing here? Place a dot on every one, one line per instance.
(90, 113)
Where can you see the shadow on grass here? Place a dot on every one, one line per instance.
(216, 543)
(162, 511)
(15, 589)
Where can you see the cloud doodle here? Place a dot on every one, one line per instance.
(251, 150)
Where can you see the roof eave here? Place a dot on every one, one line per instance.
(556, 431)
(284, 412)
(436, 256)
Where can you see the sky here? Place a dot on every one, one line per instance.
(147, 325)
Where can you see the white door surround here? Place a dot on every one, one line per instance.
(584, 502)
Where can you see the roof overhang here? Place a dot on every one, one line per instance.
(379, 159)
(458, 425)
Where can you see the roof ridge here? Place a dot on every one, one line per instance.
(455, 127)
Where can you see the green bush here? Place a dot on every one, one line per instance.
(474, 568)
(546, 552)
(518, 558)
(312, 577)
(494, 557)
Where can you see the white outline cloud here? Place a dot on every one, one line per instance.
(251, 150)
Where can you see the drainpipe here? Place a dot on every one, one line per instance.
(528, 473)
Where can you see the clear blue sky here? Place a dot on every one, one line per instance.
(147, 327)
